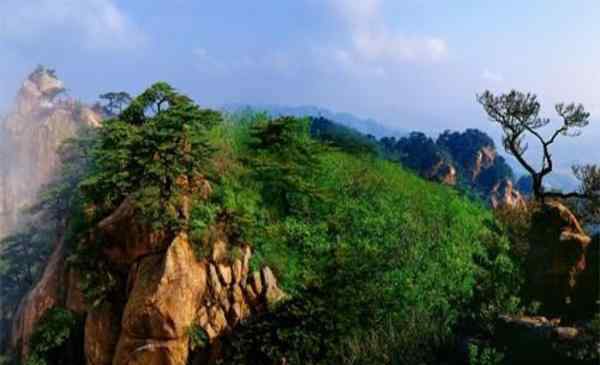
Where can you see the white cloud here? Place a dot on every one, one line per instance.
(372, 40)
(357, 12)
(488, 75)
(95, 23)
(397, 48)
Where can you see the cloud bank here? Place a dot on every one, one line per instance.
(94, 24)
(373, 40)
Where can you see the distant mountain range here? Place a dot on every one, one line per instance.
(369, 126)
(363, 125)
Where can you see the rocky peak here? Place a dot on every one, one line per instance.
(31, 135)
(484, 159)
(504, 194)
(38, 91)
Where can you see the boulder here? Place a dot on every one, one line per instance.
(556, 258)
(127, 240)
(161, 307)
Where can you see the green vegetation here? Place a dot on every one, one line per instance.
(380, 265)
(154, 151)
(52, 334)
(360, 242)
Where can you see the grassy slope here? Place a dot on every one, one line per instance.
(390, 247)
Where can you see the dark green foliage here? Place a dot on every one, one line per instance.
(416, 151)
(22, 259)
(115, 102)
(198, 338)
(463, 146)
(98, 279)
(52, 336)
(284, 159)
(154, 151)
(300, 330)
(341, 137)
(500, 274)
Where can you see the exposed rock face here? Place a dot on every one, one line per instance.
(127, 239)
(102, 329)
(504, 194)
(443, 172)
(168, 292)
(484, 159)
(161, 307)
(30, 137)
(44, 296)
(557, 258)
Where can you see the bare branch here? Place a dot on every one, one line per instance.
(518, 114)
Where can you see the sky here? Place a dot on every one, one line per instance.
(410, 64)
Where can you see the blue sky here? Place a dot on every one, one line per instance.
(411, 64)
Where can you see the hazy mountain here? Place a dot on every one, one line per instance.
(363, 125)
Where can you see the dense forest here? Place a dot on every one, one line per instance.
(374, 263)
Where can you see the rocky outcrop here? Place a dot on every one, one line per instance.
(46, 294)
(556, 259)
(505, 195)
(30, 136)
(443, 172)
(537, 340)
(161, 307)
(483, 159)
(175, 292)
(169, 292)
(127, 240)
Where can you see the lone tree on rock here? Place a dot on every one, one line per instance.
(519, 116)
(115, 102)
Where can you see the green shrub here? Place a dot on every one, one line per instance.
(198, 338)
(484, 355)
(56, 328)
(300, 330)
(154, 150)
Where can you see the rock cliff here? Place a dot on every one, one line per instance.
(504, 194)
(168, 291)
(30, 136)
(556, 261)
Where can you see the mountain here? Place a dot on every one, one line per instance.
(30, 139)
(468, 160)
(365, 126)
(31, 135)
